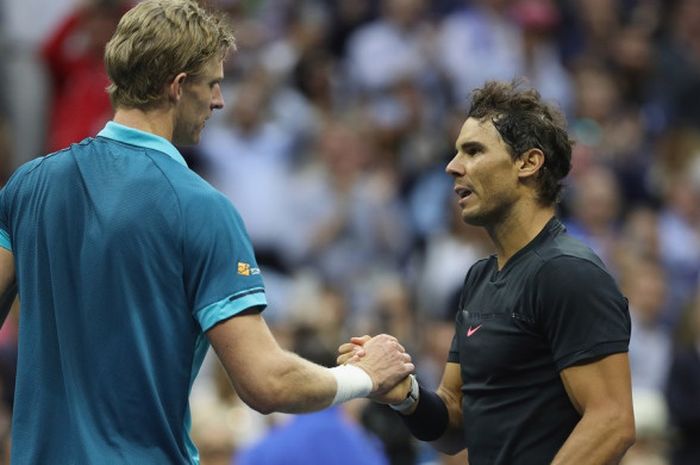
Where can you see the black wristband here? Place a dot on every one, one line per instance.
(429, 421)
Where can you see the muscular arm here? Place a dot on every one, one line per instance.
(268, 378)
(601, 392)
(450, 394)
(8, 283)
(450, 391)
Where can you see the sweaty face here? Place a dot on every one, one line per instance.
(486, 177)
(201, 94)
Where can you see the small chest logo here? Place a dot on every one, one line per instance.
(471, 330)
(244, 269)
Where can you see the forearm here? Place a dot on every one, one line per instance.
(600, 438)
(452, 440)
(296, 385)
(437, 419)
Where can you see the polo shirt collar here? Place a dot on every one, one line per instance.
(148, 140)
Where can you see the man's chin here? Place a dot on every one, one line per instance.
(185, 141)
(476, 219)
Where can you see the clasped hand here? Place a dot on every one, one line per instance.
(385, 360)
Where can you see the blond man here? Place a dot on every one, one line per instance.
(128, 265)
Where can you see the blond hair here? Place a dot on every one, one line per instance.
(154, 42)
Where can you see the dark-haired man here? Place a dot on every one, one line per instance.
(538, 370)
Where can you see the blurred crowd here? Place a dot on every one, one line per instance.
(340, 118)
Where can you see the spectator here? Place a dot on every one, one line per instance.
(392, 48)
(246, 151)
(644, 281)
(74, 57)
(595, 204)
(683, 391)
(348, 220)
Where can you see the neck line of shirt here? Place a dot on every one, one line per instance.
(552, 227)
(133, 136)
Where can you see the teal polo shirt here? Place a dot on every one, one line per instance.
(124, 259)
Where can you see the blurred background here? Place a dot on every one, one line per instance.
(340, 118)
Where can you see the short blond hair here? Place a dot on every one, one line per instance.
(154, 42)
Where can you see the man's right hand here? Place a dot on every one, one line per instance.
(386, 362)
(357, 350)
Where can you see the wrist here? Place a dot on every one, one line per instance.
(351, 382)
(411, 399)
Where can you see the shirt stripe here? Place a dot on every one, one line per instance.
(5, 240)
(230, 306)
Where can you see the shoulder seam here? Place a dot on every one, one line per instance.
(569, 255)
(565, 255)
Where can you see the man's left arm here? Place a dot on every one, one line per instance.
(601, 391)
(8, 283)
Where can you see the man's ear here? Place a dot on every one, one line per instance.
(175, 88)
(530, 163)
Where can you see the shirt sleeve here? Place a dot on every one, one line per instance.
(582, 312)
(453, 354)
(222, 277)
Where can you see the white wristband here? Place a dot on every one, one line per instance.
(410, 400)
(352, 382)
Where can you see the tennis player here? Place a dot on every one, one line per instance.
(538, 371)
(128, 265)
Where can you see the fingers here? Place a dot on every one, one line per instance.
(387, 339)
(348, 358)
(349, 352)
(352, 351)
(386, 361)
(360, 340)
(347, 347)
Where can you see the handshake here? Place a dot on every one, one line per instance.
(386, 362)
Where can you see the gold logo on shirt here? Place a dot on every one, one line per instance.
(243, 269)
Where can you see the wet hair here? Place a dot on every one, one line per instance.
(525, 121)
(154, 42)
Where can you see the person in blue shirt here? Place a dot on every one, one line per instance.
(129, 265)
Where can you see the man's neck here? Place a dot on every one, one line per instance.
(518, 229)
(156, 121)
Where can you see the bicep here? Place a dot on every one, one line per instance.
(599, 385)
(8, 283)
